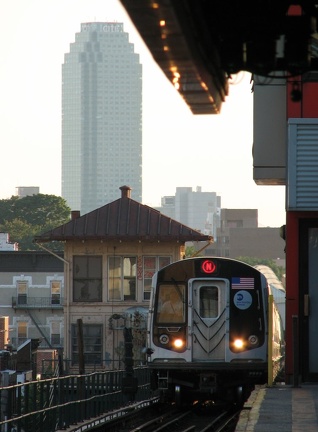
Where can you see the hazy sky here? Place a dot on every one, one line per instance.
(179, 149)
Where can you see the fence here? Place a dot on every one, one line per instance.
(52, 404)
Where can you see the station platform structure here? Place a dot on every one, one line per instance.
(281, 408)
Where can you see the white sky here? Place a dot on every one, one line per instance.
(179, 149)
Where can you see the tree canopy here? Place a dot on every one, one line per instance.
(24, 218)
(278, 270)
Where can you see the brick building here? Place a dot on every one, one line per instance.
(239, 235)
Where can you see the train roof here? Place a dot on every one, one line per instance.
(271, 277)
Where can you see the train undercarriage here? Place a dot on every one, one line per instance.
(186, 387)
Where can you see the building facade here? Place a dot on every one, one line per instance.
(23, 191)
(101, 117)
(5, 244)
(110, 256)
(32, 290)
(240, 236)
(197, 209)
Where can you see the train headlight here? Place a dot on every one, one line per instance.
(238, 344)
(178, 343)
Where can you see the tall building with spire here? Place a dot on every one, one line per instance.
(101, 117)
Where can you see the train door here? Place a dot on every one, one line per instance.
(209, 319)
(308, 301)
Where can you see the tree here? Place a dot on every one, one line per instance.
(7, 209)
(20, 232)
(24, 218)
(190, 251)
(278, 270)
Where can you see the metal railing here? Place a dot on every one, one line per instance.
(57, 403)
(26, 302)
(55, 343)
(49, 366)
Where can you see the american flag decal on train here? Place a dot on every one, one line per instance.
(242, 283)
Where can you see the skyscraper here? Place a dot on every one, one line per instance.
(196, 209)
(101, 117)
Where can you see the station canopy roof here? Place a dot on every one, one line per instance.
(200, 44)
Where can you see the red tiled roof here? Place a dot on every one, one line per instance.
(124, 219)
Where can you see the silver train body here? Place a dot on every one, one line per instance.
(212, 342)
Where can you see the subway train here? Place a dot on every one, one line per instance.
(208, 327)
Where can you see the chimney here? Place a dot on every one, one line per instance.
(125, 191)
(75, 214)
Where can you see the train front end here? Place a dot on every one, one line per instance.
(207, 329)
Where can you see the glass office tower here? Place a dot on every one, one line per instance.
(101, 117)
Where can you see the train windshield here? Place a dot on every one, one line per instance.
(171, 303)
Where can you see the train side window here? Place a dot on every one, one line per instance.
(209, 302)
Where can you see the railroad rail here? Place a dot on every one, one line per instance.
(116, 418)
(159, 417)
